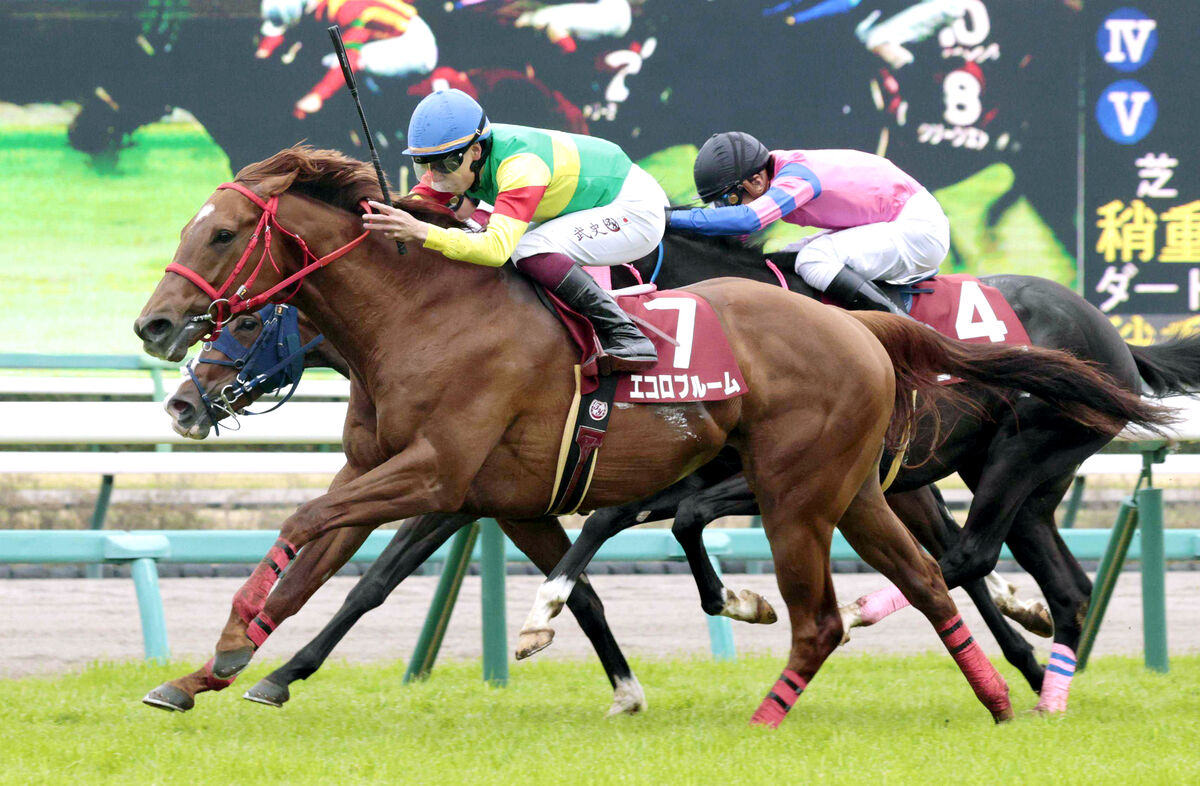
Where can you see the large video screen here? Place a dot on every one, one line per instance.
(119, 117)
(1141, 250)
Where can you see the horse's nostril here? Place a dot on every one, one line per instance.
(157, 327)
(183, 411)
(153, 329)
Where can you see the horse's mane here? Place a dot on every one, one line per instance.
(338, 180)
(730, 249)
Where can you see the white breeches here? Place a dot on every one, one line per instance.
(906, 249)
(415, 52)
(585, 21)
(626, 229)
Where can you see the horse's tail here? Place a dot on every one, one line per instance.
(1170, 368)
(1077, 388)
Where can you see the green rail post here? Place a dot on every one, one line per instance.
(98, 515)
(1077, 488)
(444, 598)
(150, 606)
(495, 634)
(720, 632)
(1106, 577)
(1154, 601)
(1154, 621)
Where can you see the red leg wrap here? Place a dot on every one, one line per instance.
(251, 598)
(987, 683)
(210, 680)
(259, 628)
(779, 700)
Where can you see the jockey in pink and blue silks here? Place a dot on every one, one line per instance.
(878, 223)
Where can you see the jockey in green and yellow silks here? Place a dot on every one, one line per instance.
(559, 200)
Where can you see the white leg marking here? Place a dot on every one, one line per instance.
(628, 697)
(549, 601)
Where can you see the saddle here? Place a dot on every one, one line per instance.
(695, 363)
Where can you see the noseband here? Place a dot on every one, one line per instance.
(225, 307)
(274, 360)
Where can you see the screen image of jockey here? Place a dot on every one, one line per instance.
(914, 24)
(559, 201)
(384, 38)
(566, 22)
(879, 224)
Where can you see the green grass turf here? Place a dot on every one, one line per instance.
(865, 719)
(84, 245)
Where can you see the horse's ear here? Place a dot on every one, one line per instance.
(274, 184)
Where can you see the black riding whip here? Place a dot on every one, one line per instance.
(335, 35)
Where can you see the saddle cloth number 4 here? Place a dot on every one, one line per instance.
(972, 302)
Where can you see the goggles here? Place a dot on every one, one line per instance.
(730, 198)
(448, 163)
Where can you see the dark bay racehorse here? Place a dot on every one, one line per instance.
(423, 435)
(1018, 459)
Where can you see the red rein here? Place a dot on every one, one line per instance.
(231, 306)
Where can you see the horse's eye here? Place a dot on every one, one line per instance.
(222, 236)
(247, 323)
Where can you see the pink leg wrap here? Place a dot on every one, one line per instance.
(874, 607)
(987, 683)
(210, 680)
(1057, 683)
(259, 628)
(779, 700)
(251, 598)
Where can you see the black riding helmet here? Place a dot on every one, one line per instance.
(726, 160)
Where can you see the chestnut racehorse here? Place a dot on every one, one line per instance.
(450, 415)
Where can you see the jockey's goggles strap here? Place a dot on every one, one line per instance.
(230, 306)
(729, 198)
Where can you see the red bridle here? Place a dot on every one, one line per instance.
(229, 307)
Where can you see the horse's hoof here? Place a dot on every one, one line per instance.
(764, 614)
(267, 692)
(851, 615)
(168, 697)
(628, 698)
(1035, 619)
(747, 606)
(533, 641)
(227, 665)
(1049, 708)
(1003, 715)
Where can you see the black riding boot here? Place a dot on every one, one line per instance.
(625, 348)
(856, 293)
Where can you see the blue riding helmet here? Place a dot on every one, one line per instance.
(444, 123)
